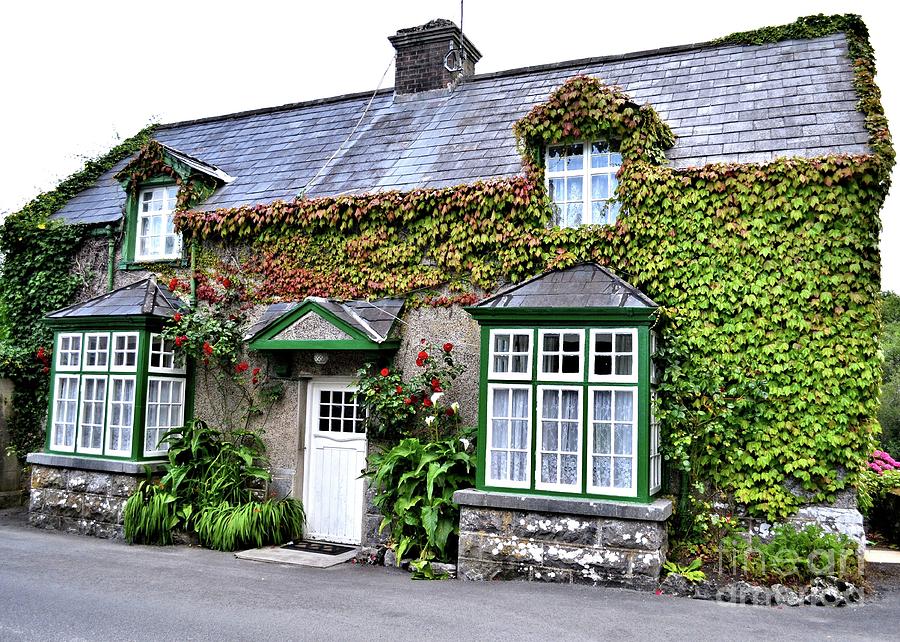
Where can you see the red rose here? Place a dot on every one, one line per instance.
(208, 349)
(173, 284)
(408, 401)
(399, 389)
(40, 352)
(448, 347)
(423, 355)
(177, 317)
(255, 381)
(255, 372)
(226, 282)
(426, 402)
(45, 369)
(241, 367)
(180, 341)
(420, 362)
(450, 412)
(385, 372)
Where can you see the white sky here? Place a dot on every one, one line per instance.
(78, 76)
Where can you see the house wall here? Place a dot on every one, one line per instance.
(10, 471)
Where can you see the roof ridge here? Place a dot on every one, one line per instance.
(505, 73)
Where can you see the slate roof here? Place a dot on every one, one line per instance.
(375, 319)
(586, 285)
(144, 298)
(734, 103)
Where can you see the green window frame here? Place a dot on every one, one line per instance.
(111, 393)
(561, 423)
(132, 256)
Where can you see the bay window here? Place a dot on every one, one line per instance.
(107, 398)
(565, 410)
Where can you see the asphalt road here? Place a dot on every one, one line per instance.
(67, 587)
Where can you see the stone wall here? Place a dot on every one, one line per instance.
(11, 493)
(78, 500)
(546, 539)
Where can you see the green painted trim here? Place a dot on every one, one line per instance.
(129, 240)
(554, 317)
(124, 323)
(342, 344)
(265, 339)
(481, 444)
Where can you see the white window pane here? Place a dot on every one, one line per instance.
(549, 439)
(569, 469)
(622, 472)
(549, 468)
(624, 406)
(602, 438)
(623, 439)
(555, 159)
(574, 190)
(575, 157)
(599, 187)
(623, 364)
(517, 466)
(557, 190)
(501, 402)
(519, 434)
(520, 404)
(501, 363)
(574, 216)
(498, 465)
(602, 405)
(602, 471)
(550, 405)
(501, 343)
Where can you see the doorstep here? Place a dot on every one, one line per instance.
(278, 555)
(882, 556)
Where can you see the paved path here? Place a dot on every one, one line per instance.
(67, 587)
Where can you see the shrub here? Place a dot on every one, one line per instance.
(792, 553)
(414, 483)
(212, 486)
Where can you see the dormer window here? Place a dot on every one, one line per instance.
(581, 180)
(156, 238)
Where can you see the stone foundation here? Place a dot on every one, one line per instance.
(547, 539)
(84, 496)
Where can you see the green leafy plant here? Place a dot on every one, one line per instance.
(214, 485)
(414, 483)
(227, 527)
(690, 572)
(800, 554)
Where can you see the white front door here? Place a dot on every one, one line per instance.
(333, 492)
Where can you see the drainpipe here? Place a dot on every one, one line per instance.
(111, 263)
(193, 274)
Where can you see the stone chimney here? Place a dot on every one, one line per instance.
(422, 57)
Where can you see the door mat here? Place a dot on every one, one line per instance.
(324, 548)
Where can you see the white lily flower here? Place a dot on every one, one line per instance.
(436, 396)
(455, 406)
(429, 420)
(465, 442)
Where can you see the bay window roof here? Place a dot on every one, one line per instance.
(586, 285)
(144, 298)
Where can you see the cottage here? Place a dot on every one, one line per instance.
(697, 224)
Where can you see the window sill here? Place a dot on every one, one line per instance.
(126, 467)
(131, 266)
(659, 510)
